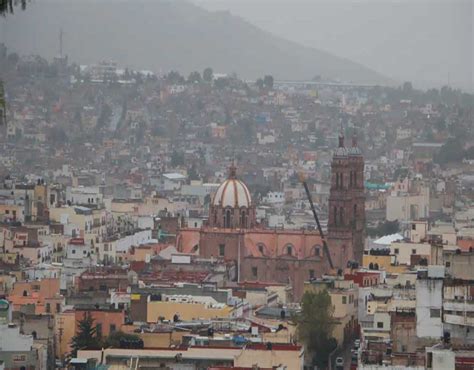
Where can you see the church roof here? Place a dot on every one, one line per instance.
(232, 193)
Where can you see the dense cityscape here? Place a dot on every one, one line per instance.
(158, 220)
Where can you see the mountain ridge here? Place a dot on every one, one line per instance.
(167, 35)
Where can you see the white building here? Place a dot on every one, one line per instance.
(429, 303)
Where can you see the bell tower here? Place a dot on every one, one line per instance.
(346, 223)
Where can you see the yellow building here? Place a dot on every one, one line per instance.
(344, 296)
(186, 311)
(278, 355)
(382, 262)
(64, 329)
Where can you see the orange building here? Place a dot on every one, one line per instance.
(232, 234)
(44, 295)
(107, 320)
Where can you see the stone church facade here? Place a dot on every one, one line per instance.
(284, 256)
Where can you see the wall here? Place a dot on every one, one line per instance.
(429, 297)
(186, 311)
(405, 250)
(64, 330)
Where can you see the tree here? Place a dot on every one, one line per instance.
(268, 82)
(384, 228)
(174, 78)
(207, 74)
(8, 6)
(177, 158)
(86, 336)
(221, 83)
(114, 339)
(315, 325)
(194, 77)
(451, 151)
(259, 83)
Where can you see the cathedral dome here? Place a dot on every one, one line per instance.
(232, 193)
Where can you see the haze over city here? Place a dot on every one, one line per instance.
(236, 185)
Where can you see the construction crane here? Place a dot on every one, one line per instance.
(325, 245)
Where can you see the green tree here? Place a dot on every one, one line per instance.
(259, 83)
(207, 74)
(174, 78)
(268, 82)
(451, 151)
(315, 325)
(194, 77)
(113, 340)
(177, 158)
(86, 336)
(221, 83)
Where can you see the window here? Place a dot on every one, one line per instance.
(112, 328)
(58, 307)
(289, 250)
(98, 329)
(73, 251)
(396, 251)
(335, 215)
(344, 299)
(413, 251)
(227, 219)
(379, 325)
(413, 226)
(341, 216)
(261, 249)
(48, 308)
(222, 250)
(448, 264)
(435, 313)
(311, 274)
(317, 251)
(254, 272)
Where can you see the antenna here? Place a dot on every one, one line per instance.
(61, 42)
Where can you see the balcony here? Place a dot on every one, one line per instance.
(458, 320)
(457, 305)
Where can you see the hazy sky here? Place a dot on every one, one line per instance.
(427, 41)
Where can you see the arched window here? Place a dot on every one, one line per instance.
(243, 219)
(261, 248)
(376, 266)
(350, 181)
(355, 212)
(335, 215)
(355, 179)
(337, 180)
(289, 249)
(341, 181)
(316, 251)
(227, 219)
(341, 216)
(371, 266)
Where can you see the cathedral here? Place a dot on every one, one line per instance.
(291, 257)
(346, 221)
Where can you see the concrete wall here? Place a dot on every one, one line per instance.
(428, 303)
